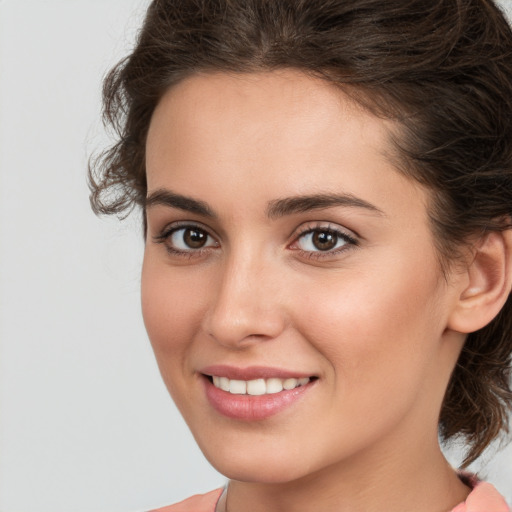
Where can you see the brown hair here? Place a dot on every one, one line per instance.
(441, 68)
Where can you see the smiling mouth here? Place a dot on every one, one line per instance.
(258, 387)
(255, 393)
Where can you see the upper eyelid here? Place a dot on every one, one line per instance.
(182, 224)
(309, 227)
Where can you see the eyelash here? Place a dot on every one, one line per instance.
(350, 241)
(167, 233)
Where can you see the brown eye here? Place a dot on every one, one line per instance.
(324, 240)
(194, 238)
(190, 238)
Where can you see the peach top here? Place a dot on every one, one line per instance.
(483, 498)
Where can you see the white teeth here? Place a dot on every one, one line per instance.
(223, 383)
(257, 386)
(290, 383)
(238, 387)
(274, 385)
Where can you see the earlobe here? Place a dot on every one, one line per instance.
(486, 283)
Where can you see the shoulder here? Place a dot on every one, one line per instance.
(198, 503)
(483, 498)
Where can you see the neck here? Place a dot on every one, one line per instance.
(425, 483)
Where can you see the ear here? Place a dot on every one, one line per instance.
(485, 284)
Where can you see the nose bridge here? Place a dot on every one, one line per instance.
(246, 305)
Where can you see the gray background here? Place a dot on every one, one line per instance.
(85, 424)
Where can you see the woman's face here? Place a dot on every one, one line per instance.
(290, 288)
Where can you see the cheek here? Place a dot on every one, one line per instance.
(172, 311)
(378, 329)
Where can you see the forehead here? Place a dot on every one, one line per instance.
(265, 100)
(269, 135)
(259, 111)
(289, 91)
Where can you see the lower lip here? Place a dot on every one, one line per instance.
(252, 408)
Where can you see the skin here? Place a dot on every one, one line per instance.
(370, 319)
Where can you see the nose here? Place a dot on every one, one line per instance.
(246, 305)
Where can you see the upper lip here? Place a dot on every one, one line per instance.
(251, 372)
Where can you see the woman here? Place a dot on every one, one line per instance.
(327, 191)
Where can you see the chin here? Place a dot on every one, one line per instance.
(269, 473)
(257, 466)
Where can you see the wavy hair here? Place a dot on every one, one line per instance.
(441, 68)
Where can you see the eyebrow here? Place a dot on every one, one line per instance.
(276, 208)
(167, 198)
(300, 204)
